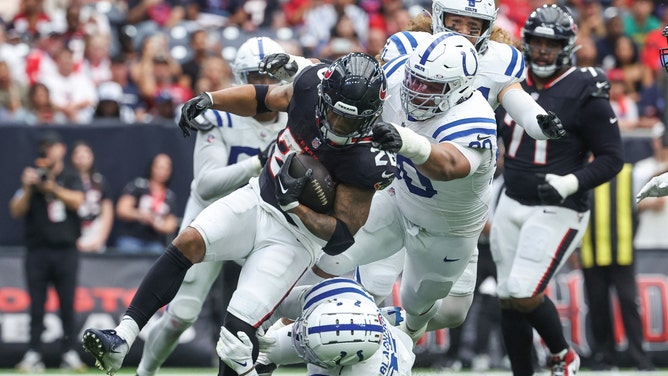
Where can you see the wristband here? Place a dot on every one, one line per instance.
(414, 146)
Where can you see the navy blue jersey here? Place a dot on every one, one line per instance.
(580, 98)
(360, 165)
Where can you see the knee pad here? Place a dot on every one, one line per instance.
(452, 312)
(185, 309)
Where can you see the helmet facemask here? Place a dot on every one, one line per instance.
(484, 10)
(554, 23)
(663, 53)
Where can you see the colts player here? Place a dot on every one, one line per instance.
(261, 223)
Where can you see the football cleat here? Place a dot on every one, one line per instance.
(107, 347)
(31, 363)
(566, 363)
(71, 361)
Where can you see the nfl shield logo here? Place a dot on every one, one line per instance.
(315, 143)
(471, 3)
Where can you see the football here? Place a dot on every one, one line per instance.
(319, 193)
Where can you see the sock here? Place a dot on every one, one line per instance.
(545, 319)
(518, 338)
(128, 330)
(159, 286)
(415, 323)
(234, 325)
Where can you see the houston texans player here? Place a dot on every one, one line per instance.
(501, 70)
(338, 331)
(544, 212)
(229, 150)
(330, 113)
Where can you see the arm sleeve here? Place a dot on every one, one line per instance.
(604, 141)
(474, 156)
(219, 182)
(524, 109)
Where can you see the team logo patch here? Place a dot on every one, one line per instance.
(327, 74)
(382, 94)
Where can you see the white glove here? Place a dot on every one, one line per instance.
(556, 188)
(656, 187)
(267, 340)
(237, 353)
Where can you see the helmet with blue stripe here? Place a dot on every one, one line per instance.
(401, 43)
(338, 332)
(250, 54)
(439, 74)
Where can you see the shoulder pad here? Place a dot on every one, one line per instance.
(597, 84)
(503, 60)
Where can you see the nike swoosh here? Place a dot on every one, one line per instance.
(480, 138)
(280, 185)
(239, 363)
(386, 175)
(446, 259)
(613, 120)
(600, 84)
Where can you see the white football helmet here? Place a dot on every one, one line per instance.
(250, 54)
(484, 10)
(439, 75)
(338, 332)
(401, 43)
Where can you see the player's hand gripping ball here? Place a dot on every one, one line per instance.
(319, 192)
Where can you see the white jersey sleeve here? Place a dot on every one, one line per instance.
(500, 66)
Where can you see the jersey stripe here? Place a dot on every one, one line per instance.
(391, 66)
(451, 133)
(513, 62)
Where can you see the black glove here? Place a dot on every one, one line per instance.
(551, 125)
(288, 188)
(386, 137)
(547, 193)
(280, 66)
(265, 154)
(192, 109)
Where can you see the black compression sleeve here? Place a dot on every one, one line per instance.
(341, 240)
(260, 96)
(159, 286)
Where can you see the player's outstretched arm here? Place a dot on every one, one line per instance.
(656, 187)
(538, 123)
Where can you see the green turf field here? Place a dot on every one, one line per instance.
(299, 372)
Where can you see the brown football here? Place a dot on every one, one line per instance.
(320, 192)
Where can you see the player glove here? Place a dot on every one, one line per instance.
(556, 188)
(192, 109)
(288, 188)
(265, 153)
(283, 66)
(398, 139)
(551, 125)
(237, 353)
(656, 187)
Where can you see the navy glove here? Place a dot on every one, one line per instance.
(386, 137)
(265, 154)
(288, 188)
(192, 109)
(551, 125)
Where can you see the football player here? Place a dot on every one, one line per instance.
(544, 212)
(500, 73)
(339, 331)
(330, 113)
(229, 150)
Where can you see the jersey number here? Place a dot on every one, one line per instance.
(540, 146)
(417, 183)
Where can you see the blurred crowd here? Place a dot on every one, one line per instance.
(78, 61)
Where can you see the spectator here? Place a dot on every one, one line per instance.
(12, 54)
(622, 104)
(31, 21)
(97, 210)
(40, 61)
(72, 92)
(164, 108)
(216, 74)
(97, 62)
(586, 55)
(192, 67)
(147, 209)
(40, 109)
(605, 46)
(607, 256)
(590, 22)
(133, 108)
(48, 200)
(640, 21)
(343, 40)
(323, 16)
(636, 75)
(12, 94)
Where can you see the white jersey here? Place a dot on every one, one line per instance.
(393, 358)
(458, 207)
(233, 139)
